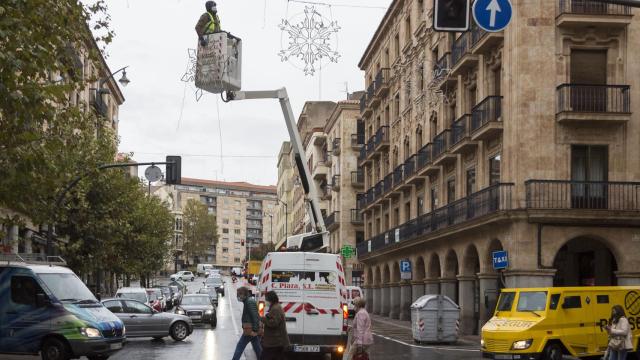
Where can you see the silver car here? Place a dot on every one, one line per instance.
(142, 321)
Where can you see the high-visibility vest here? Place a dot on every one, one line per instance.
(213, 25)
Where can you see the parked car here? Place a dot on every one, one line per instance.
(216, 283)
(142, 321)
(183, 275)
(213, 294)
(213, 272)
(47, 309)
(156, 300)
(135, 293)
(199, 308)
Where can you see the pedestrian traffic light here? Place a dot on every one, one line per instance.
(174, 170)
(451, 15)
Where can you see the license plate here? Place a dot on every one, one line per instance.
(115, 346)
(196, 317)
(307, 348)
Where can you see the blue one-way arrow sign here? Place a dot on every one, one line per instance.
(492, 15)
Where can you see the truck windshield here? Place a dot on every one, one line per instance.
(506, 301)
(67, 287)
(532, 301)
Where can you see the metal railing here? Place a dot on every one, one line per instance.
(567, 194)
(424, 156)
(362, 156)
(33, 259)
(489, 110)
(357, 177)
(371, 91)
(477, 33)
(378, 190)
(442, 64)
(460, 48)
(484, 202)
(441, 143)
(357, 140)
(591, 7)
(410, 166)
(356, 216)
(332, 219)
(460, 129)
(363, 103)
(382, 78)
(594, 98)
(398, 174)
(371, 145)
(388, 183)
(382, 136)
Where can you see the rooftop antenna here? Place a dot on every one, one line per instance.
(346, 88)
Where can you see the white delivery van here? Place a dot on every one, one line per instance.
(352, 293)
(201, 269)
(311, 288)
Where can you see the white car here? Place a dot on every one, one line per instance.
(311, 287)
(183, 275)
(135, 293)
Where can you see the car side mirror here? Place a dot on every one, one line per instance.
(42, 300)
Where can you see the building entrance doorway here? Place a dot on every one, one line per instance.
(585, 262)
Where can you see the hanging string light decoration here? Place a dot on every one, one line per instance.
(311, 40)
(190, 75)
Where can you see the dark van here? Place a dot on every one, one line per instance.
(48, 309)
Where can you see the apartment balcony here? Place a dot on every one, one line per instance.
(593, 104)
(388, 184)
(325, 192)
(357, 179)
(336, 146)
(411, 172)
(371, 148)
(357, 140)
(424, 159)
(320, 171)
(483, 204)
(253, 216)
(461, 56)
(589, 202)
(356, 217)
(382, 83)
(441, 145)
(483, 41)
(441, 71)
(254, 225)
(592, 13)
(372, 99)
(398, 180)
(461, 142)
(363, 159)
(364, 109)
(332, 221)
(378, 191)
(382, 139)
(366, 199)
(335, 183)
(319, 139)
(486, 119)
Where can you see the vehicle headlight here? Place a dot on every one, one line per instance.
(90, 332)
(209, 312)
(180, 312)
(521, 344)
(482, 345)
(124, 330)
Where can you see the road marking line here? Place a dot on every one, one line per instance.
(425, 347)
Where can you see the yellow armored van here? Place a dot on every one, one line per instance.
(547, 323)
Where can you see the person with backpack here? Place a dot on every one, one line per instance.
(275, 340)
(620, 337)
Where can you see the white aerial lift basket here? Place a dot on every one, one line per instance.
(219, 66)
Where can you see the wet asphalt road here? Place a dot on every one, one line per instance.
(219, 344)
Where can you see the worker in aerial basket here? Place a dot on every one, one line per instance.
(209, 22)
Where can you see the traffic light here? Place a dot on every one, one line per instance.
(174, 170)
(451, 15)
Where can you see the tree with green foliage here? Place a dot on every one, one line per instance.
(200, 230)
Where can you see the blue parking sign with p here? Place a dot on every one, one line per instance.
(500, 260)
(405, 266)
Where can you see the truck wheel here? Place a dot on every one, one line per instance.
(55, 349)
(179, 331)
(553, 351)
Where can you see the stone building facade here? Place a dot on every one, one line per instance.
(525, 140)
(286, 186)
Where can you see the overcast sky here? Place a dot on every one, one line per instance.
(160, 117)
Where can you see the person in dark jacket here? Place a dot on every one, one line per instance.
(209, 22)
(275, 340)
(250, 324)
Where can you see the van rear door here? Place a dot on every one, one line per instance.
(285, 271)
(322, 297)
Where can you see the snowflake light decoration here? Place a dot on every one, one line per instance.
(310, 40)
(190, 74)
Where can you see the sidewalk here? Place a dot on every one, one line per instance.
(401, 331)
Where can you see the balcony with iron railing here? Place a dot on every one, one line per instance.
(593, 103)
(362, 156)
(398, 177)
(357, 179)
(372, 99)
(336, 146)
(388, 183)
(461, 56)
(410, 171)
(461, 135)
(357, 140)
(441, 145)
(592, 13)
(356, 217)
(335, 183)
(483, 204)
(320, 170)
(364, 109)
(483, 41)
(424, 159)
(382, 82)
(332, 221)
(382, 139)
(486, 119)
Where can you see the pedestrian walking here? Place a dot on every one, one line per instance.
(361, 336)
(275, 340)
(620, 338)
(250, 324)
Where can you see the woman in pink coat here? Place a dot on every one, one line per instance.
(361, 336)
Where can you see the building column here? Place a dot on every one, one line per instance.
(432, 287)
(448, 288)
(489, 292)
(628, 278)
(386, 305)
(466, 294)
(368, 296)
(405, 300)
(13, 238)
(28, 241)
(529, 278)
(394, 304)
(417, 290)
(376, 299)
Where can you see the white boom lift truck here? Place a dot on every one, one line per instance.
(219, 71)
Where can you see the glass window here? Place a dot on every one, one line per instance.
(572, 302)
(24, 290)
(67, 286)
(236, 231)
(133, 295)
(494, 170)
(114, 306)
(603, 299)
(225, 231)
(471, 181)
(451, 191)
(195, 300)
(506, 301)
(237, 222)
(532, 301)
(225, 221)
(555, 300)
(134, 307)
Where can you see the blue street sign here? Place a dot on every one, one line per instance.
(500, 260)
(405, 266)
(492, 15)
